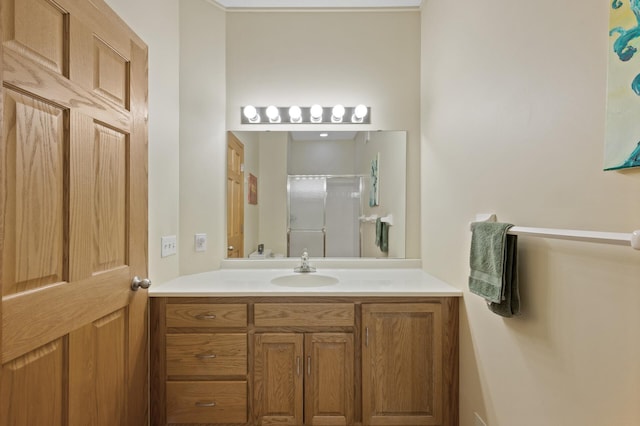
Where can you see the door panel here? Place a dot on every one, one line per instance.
(329, 383)
(36, 28)
(35, 138)
(278, 378)
(97, 354)
(235, 197)
(402, 364)
(109, 199)
(39, 376)
(73, 215)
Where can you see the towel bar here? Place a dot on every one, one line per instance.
(388, 219)
(615, 238)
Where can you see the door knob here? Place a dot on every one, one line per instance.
(230, 248)
(138, 282)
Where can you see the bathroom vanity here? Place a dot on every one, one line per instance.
(337, 347)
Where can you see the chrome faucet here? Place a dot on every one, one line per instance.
(304, 264)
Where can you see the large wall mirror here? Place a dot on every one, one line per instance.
(333, 193)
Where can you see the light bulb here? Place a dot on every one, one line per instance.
(337, 113)
(251, 113)
(273, 114)
(316, 113)
(295, 114)
(360, 112)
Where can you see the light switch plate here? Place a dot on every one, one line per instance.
(201, 242)
(168, 245)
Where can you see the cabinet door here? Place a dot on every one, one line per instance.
(402, 364)
(278, 378)
(329, 389)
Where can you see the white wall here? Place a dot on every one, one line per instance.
(202, 134)
(513, 110)
(250, 140)
(272, 191)
(331, 157)
(162, 36)
(286, 58)
(391, 186)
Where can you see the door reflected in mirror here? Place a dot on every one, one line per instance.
(315, 193)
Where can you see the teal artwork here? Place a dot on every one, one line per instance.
(374, 194)
(622, 138)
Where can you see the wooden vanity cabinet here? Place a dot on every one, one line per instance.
(306, 376)
(402, 364)
(199, 363)
(304, 361)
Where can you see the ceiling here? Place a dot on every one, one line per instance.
(317, 4)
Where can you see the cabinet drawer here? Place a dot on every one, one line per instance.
(207, 402)
(206, 315)
(304, 314)
(206, 354)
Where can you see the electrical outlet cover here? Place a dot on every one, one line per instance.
(201, 242)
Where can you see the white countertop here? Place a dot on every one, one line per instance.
(350, 282)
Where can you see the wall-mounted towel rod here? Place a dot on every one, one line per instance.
(388, 219)
(616, 238)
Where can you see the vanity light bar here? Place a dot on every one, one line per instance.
(315, 114)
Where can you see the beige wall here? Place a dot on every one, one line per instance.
(513, 108)
(391, 184)
(272, 191)
(162, 36)
(202, 134)
(250, 140)
(286, 58)
(322, 157)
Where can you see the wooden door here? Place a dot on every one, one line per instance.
(329, 380)
(235, 197)
(73, 215)
(402, 364)
(277, 383)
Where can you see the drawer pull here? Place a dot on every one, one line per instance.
(205, 356)
(205, 404)
(206, 316)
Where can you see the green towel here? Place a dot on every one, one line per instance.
(494, 265)
(510, 304)
(382, 235)
(384, 238)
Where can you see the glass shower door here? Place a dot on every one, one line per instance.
(307, 198)
(342, 216)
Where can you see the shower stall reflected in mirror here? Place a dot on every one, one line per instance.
(324, 214)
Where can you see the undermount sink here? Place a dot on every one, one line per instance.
(305, 280)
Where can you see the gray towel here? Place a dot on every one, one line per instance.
(493, 262)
